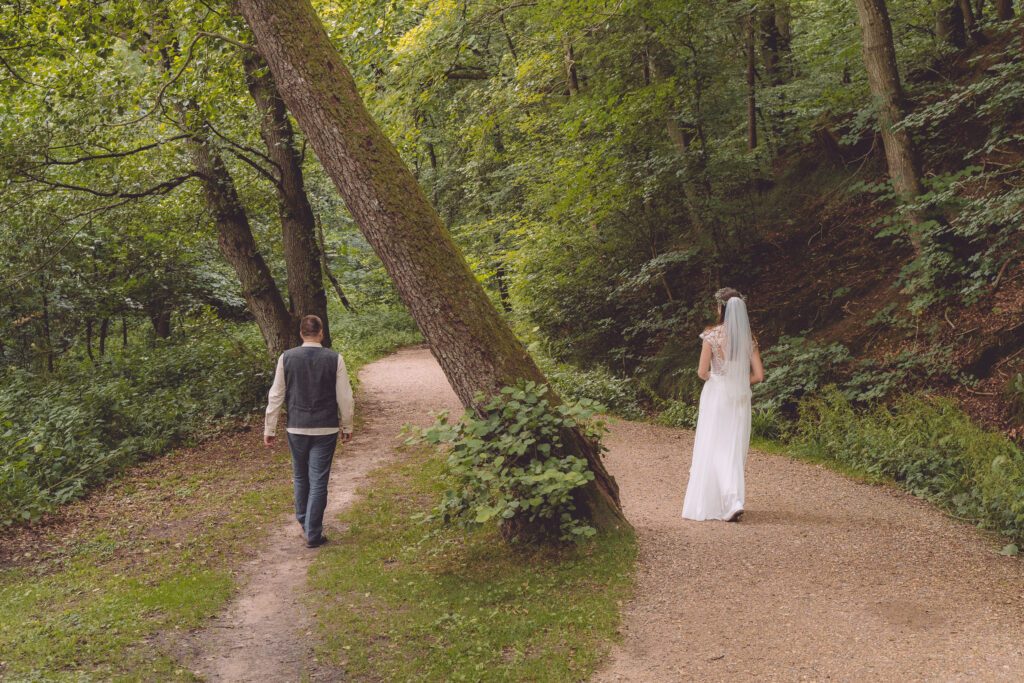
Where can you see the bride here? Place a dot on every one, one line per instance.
(729, 364)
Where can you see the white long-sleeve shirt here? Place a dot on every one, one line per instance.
(275, 399)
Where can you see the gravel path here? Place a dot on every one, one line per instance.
(266, 633)
(824, 579)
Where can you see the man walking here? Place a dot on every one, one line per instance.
(313, 383)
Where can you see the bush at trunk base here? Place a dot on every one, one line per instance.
(508, 465)
(927, 445)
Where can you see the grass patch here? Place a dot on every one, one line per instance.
(926, 445)
(97, 590)
(393, 604)
(85, 596)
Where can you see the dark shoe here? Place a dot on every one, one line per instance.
(736, 516)
(317, 543)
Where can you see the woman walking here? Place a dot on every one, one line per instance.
(729, 364)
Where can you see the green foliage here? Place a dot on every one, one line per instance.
(621, 396)
(460, 606)
(61, 435)
(371, 333)
(797, 367)
(929, 447)
(678, 414)
(508, 463)
(102, 603)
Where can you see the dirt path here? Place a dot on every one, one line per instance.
(264, 635)
(824, 579)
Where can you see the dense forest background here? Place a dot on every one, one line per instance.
(605, 167)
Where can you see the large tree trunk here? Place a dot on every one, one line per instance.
(238, 246)
(751, 80)
(949, 25)
(1004, 9)
(884, 81)
(472, 342)
(306, 293)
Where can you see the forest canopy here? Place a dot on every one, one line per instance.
(604, 167)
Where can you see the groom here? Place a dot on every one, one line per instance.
(313, 383)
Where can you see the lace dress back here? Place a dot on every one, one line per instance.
(716, 339)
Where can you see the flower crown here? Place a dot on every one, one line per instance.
(723, 295)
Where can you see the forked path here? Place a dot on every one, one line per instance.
(266, 633)
(824, 579)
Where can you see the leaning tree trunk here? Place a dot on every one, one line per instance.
(238, 246)
(472, 342)
(298, 226)
(884, 81)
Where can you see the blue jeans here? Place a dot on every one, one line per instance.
(311, 470)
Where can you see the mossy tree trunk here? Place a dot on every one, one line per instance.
(884, 81)
(238, 246)
(472, 342)
(306, 294)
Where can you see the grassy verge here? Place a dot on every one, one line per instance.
(96, 590)
(85, 596)
(395, 605)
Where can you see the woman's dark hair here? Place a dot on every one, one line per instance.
(722, 297)
(310, 326)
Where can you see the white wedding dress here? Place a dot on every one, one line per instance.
(716, 486)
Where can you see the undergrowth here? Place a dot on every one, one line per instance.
(928, 446)
(64, 433)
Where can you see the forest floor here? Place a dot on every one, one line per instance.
(826, 577)
(266, 634)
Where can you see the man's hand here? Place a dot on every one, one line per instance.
(346, 437)
(269, 440)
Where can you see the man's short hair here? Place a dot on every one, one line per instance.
(310, 326)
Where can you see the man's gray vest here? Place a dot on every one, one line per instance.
(310, 380)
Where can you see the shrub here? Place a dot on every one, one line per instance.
(796, 367)
(619, 395)
(678, 414)
(929, 447)
(508, 463)
(63, 434)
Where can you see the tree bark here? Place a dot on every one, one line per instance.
(47, 339)
(472, 342)
(775, 41)
(949, 25)
(751, 81)
(306, 295)
(88, 339)
(971, 22)
(1004, 10)
(104, 330)
(327, 269)
(238, 246)
(572, 80)
(884, 81)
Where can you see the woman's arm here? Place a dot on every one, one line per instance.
(756, 367)
(704, 366)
